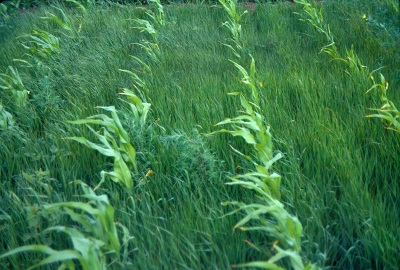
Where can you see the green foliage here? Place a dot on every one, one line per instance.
(233, 24)
(388, 111)
(7, 8)
(156, 12)
(146, 26)
(95, 246)
(6, 119)
(270, 216)
(12, 83)
(64, 22)
(339, 169)
(115, 143)
(41, 44)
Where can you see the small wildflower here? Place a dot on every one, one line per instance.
(364, 16)
(150, 172)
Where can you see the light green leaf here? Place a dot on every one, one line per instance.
(107, 152)
(262, 265)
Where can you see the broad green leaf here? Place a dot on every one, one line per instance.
(122, 172)
(130, 153)
(294, 256)
(262, 265)
(255, 214)
(84, 220)
(242, 132)
(76, 205)
(121, 131)
(102, 150)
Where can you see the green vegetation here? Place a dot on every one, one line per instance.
(93, 91)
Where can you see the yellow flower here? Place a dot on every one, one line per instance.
(364, 16)
(150, 172)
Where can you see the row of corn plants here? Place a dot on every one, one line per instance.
(388, 111)
(94, 237)
(16, 104)
(268, 214)
(113, 137)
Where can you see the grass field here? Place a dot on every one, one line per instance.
(340, 170)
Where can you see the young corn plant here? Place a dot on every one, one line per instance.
(115, 143)
(64, 22)
(6, 119)
(233, 25)
(157, 18)
(316, 19)
(269, 216)
(95, 245)
(146, 26)
(11, 82)
(138, 108)
(151, 49)
(388, 111)
(156, 12)
(41, 44)
(140, 87)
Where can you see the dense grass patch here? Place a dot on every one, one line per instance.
(340, 169)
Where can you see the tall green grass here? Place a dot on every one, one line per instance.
(340, 168)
